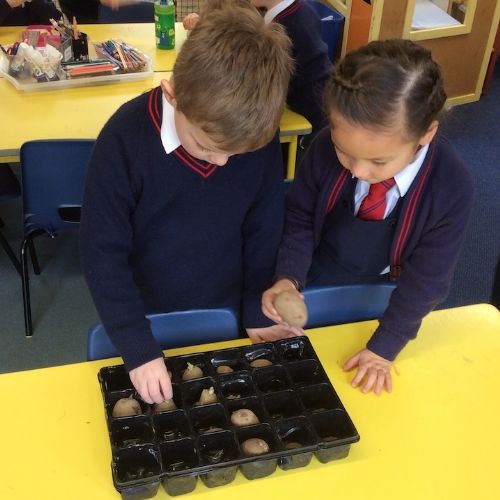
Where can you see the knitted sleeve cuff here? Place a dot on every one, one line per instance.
(386, 344)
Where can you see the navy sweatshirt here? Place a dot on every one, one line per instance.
(164, 233)
(429, 233)
(312, 66)
(34, 12)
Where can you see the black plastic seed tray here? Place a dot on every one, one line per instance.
(297, 409)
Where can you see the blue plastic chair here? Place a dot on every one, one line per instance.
(9, 190)
(330, 305)
(331, 25)
(53, 176)
(140, 12)
(173, 329)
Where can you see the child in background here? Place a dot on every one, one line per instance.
(184, 199)
(310, 52)
(379, 196)
(25, 12)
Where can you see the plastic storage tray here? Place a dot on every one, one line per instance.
(298, 409)
(28, 84)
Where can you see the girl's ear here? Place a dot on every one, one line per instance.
(429, 135)
(167, 87)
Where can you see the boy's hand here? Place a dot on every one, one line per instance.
(152, 382)
(190, 21)
(268, 297)
(275, 332)
(375, 370)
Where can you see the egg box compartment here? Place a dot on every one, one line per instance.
(299, 415)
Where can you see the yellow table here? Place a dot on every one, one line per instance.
(81, 112)
(45, 115)
(139, 35)
(435, 437)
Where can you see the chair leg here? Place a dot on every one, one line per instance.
(34, 258)
(10, 253)
(28, 325)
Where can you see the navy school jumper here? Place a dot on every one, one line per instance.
(312, 66)
(430, 229)
(169, 232)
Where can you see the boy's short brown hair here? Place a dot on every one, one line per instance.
(231, 76)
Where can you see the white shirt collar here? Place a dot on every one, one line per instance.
(274, 11)
(169, 137)
(405, 177)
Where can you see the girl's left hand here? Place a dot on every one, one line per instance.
(373, 369)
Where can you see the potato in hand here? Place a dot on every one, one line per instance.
(291, 308)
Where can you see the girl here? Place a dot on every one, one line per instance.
(379, 196)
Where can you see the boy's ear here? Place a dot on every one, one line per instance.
(429, 135)
(167, 87)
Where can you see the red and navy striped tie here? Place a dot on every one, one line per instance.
(373, 205)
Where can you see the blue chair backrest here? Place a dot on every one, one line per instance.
(140, 12)
(331, 25)
(330, 305)
(53, 176)
(174, 329)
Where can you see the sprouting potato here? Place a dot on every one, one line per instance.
(254, 446)
(259, 363)
(126, 407)
(191, 372)
(166, 405)
(207, 396)
(291, 308)
(224, 369)
(243, 417)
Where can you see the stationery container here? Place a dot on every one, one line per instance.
(299, 415)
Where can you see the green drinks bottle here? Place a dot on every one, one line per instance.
(165, 24)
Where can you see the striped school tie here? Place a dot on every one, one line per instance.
(373, 205)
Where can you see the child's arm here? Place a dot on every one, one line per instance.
(106, 241)
(429, 263)
(261, 231)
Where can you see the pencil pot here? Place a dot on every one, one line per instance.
(80, 48)
(165, 24)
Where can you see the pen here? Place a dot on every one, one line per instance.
(76, 32)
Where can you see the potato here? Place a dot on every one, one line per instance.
(224, 369)
(292, 445)
(166, 405)
(243, 417)
(291, 308)
(207, 396)
(126, 407)
(254, 446)
(191, 372)
(258, 363)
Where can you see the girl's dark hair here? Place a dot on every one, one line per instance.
(371, 86)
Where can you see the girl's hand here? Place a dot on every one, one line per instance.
(283, 285)
(152, 382)
(275, 332)
(375, 370)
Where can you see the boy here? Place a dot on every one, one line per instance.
(183, 203)
(309, 51)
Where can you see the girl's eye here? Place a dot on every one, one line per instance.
(379, 163)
